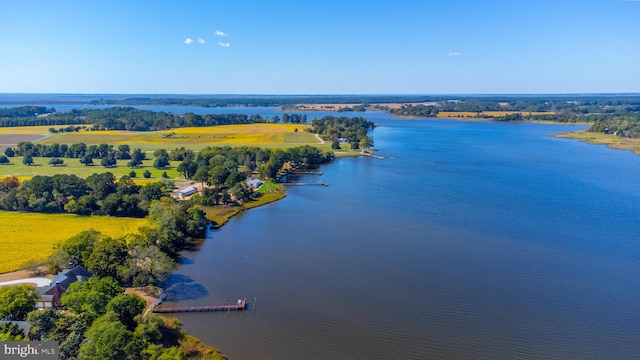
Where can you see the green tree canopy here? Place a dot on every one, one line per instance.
(17, 301)
(108, 338)
(92, 296)
(127, 307)
(108, 257)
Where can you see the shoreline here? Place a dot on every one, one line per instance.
(610, 140)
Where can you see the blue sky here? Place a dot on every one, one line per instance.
(320, 47)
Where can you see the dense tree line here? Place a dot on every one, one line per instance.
(608, 113)
(128, 118)
(623, 126)
(416, 111)
(99, 194)
(24, 111)
(352, 130)
(284, 101)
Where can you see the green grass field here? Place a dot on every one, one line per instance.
(72, 166)
(30, 236)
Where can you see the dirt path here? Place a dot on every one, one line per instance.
(20, 274)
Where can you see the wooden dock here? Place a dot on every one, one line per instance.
(319, 183)
(306, 172)
(240, 305)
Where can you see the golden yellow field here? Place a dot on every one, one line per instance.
(27, 130)
(457, 114)
(20, 178)
(194, 137)
(30, 236)
(246, 134)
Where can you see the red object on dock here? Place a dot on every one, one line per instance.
(240, 305)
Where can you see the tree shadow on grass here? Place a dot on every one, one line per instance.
(180, 288)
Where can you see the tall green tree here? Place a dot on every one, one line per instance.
(127, 307)
(17, 301)
(27, 159)
(108, 339)
(43, 322)
(91, 297)
(108, 257)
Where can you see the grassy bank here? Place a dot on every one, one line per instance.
(612, 141)
(220, 215)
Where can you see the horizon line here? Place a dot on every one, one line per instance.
(321, 94)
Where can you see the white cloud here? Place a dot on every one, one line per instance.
(188, 41)
(201, 41)
(221, 33)
(225, 45)
(455, 53)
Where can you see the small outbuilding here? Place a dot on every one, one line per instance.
(254, 183)
(183, 193)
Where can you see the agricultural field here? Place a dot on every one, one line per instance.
(10, 136)
(195, 138)
(30, 236)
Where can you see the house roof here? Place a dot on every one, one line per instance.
(69, 276)
(254, 182)
(187, 191)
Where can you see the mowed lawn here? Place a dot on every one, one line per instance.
(30, 236)
(41, 166)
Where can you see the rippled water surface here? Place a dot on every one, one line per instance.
(470, 240)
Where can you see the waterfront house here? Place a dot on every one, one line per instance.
(50, 295)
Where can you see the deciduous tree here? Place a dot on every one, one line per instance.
(17, 301)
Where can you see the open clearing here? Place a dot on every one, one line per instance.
(30, 236)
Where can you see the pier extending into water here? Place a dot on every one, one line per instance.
(319, 183)
(306, 172)
(240, 305)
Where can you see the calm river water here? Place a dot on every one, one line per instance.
(470, 240)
